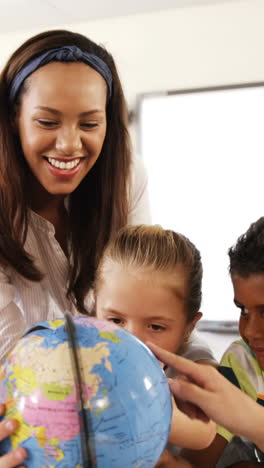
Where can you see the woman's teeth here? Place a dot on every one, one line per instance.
(64, 165)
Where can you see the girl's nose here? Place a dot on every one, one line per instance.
(137, 330)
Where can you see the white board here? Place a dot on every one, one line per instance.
(204, 153)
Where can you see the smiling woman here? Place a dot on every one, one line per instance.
(67, 178)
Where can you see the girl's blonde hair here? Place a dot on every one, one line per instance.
(155, 249)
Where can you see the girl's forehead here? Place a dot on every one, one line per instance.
(175, 279)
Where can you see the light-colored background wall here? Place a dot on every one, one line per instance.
(197, 46)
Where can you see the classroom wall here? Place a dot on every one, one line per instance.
(179, 48)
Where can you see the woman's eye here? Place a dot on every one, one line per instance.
(47, 123)
(156, 327)
(89, 125)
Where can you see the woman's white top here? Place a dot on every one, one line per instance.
(24, 302)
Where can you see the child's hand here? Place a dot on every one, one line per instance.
(14, 458)
(191, 410)
(216, 396)
(190, 432)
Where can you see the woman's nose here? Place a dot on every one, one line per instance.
(68, 142)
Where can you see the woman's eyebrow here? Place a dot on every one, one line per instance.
(57, 112)
(48, 109)
(93, 111)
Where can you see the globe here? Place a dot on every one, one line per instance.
(126, 398)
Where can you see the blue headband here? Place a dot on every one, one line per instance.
(61, 54)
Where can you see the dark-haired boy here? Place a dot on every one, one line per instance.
(243, 362)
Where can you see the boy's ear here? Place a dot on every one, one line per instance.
(192, 325)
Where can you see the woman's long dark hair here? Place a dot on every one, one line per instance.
(97, 208)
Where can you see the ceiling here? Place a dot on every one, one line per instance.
(18, 15)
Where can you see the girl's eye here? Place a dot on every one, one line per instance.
(115, 320)
(156, 327)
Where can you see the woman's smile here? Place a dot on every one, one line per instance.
(64, 168)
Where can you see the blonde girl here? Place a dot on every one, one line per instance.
(149, 282)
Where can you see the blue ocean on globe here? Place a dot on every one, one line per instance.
(125, 393)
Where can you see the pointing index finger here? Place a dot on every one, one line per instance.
(184, 366)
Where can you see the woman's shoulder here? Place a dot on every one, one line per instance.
(139, 208)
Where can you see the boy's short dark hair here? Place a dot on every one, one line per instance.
(247, 255)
